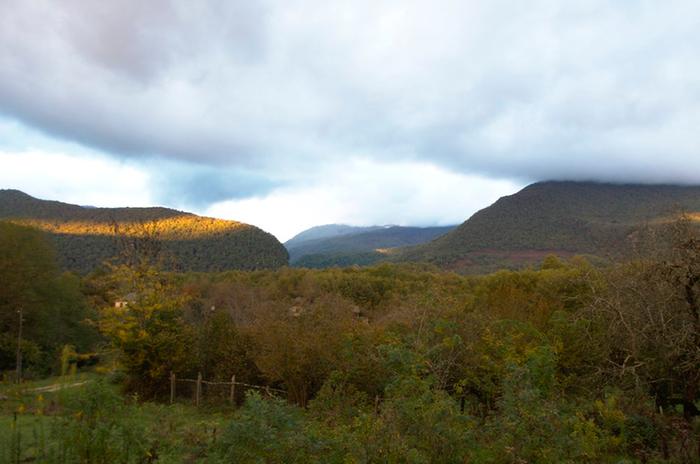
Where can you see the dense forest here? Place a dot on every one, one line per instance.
(339, 259)
(53, 304)
(84, 237)
(562, 218)
(563, 362)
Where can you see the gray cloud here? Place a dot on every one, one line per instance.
(267, 91)
(189, 185)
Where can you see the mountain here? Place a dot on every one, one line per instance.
(86, 236)
(326, 231)
(339, 245)
(563, 218)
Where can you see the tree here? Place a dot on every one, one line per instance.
(298, 344)
(26, 262)
(53, 308)
(652, 310)
(146, 327)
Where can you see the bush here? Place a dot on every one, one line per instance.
(96, 430)
(266, 431)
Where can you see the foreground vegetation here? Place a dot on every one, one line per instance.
(563, 363)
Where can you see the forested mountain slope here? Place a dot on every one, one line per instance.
(84, 236)
(357, 245)
(564, 218)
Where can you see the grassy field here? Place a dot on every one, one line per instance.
(69, 419)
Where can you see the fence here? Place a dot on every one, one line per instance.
(199, 382)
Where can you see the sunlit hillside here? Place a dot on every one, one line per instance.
(85, 237)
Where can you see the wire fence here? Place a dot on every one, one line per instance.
(199, 388)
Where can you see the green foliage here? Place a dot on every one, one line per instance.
(148, 330)
(266, 431)
(325, 260)
(51, 302)
(223, 350)
(339, 400)
(428, 420)
(95, 429)
(534, 425)
(93, 423)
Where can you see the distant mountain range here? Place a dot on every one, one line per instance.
(563, 218)
(86, 236)
(343, 245)
(327, 231)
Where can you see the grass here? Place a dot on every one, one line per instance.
(45, 426)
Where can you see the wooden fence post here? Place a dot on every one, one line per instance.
(19, 347)
(172, 387)
(198, 390)
(232, 393)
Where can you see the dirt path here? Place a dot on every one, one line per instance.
(56, 387)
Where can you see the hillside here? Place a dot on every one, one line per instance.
(564, 218)
(355, 245)
(85, 236)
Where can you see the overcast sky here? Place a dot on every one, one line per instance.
(288, 114)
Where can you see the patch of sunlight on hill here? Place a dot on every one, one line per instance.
(386, 251)
(173, 228)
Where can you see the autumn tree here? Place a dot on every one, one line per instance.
(652, 310)
(144, 316)
(297, 344)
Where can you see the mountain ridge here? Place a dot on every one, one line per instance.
(86, 236)
(327, 231)
(560, 217)
(358, 245)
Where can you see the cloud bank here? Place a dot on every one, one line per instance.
(232, 100)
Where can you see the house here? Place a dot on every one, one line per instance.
(125, 300)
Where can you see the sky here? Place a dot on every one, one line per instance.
(289, 114)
